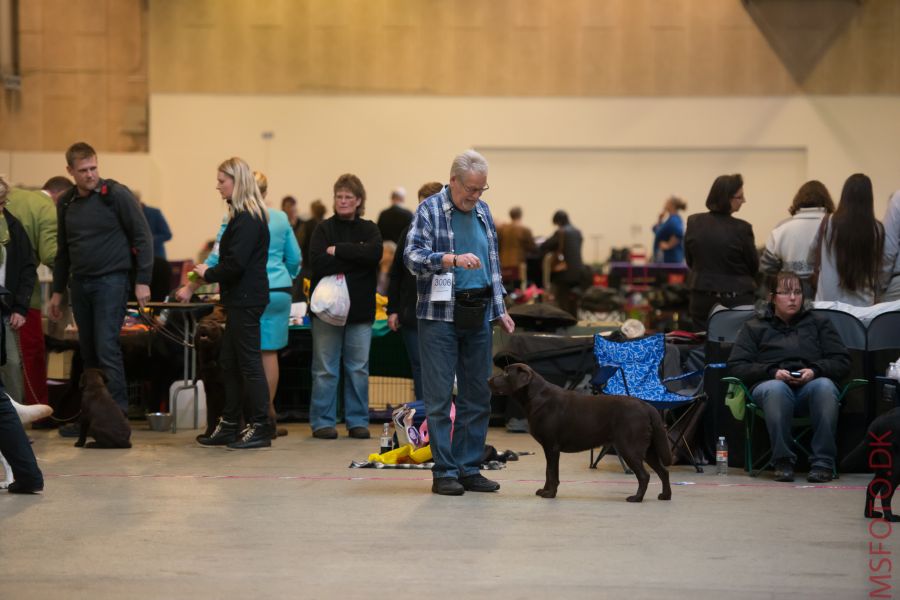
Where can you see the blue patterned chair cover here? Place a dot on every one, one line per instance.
(632, 368)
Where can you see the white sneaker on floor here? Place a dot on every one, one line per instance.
(29, 413)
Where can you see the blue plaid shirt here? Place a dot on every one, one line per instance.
(430, 237)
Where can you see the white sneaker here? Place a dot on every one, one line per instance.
(29, 413)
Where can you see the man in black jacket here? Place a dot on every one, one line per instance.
(791, 359)
(101, 230)
(395, 218)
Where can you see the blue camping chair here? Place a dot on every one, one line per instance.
(632, 368)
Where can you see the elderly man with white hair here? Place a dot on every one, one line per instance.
(452, 250)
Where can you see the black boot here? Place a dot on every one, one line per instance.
(256, 435)
(224, 433)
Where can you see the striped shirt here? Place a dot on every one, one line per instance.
(430, 237)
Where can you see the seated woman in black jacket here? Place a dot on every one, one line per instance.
(790, 359)
(244, 286)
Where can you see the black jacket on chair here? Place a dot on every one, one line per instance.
(241, 272)
(767, 344)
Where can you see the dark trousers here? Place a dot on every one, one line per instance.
(15, 447)
(98, 304)
(241, 360)
(566, 297)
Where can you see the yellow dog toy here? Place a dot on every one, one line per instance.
(403, 455)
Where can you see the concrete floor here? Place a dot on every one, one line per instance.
(171, 519)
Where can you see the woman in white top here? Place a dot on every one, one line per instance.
(787, 248)
(892, 248)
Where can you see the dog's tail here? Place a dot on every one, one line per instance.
(659, 439)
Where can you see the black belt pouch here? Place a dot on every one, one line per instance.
(469, 314)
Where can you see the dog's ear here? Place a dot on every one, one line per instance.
(520, 375)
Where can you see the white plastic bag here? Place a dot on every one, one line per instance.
(331, 300)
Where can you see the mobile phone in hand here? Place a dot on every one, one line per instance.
(796, 374)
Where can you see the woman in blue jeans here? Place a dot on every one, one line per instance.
(350, 245)
(790, 359)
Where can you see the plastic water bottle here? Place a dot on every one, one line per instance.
(386, 442)
(722, 456)
(893, 371)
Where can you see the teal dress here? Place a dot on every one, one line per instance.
(282, 266)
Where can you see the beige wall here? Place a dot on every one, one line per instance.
(32, 169)
(88, 66)
(526, 47)
(84, 77)
(610, 162)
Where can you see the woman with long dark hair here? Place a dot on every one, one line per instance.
(244, 286)
(721, 252)
(850, 248)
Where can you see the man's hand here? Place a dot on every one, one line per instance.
(54, 309)
(16, 321)
(394, 321)
(507, 323)
(468, 261)
(142, 293)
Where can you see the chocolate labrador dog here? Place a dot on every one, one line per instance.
(101, 417)
(567, 421)
(210, 330)
(879, 452)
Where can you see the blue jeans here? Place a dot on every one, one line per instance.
(98, 304)
(818, 399)
(447, 350)
(15, 447)
(330, 344)
(411, 341)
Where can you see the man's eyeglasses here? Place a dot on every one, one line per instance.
(476, 190)
(788, 294)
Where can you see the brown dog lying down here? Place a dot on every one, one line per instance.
(101, 417)
(567, 421)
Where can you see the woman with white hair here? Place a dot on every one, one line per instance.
(244, 287)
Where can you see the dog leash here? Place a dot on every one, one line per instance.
(28, 381)
(163, 331)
